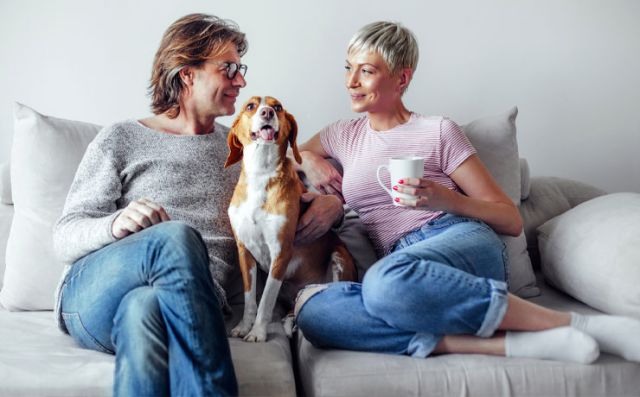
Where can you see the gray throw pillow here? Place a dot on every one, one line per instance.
(495, 140)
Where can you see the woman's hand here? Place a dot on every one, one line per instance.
(323, 212)
(321, 174)
(480, 197)
(428, 194)
(138, 215)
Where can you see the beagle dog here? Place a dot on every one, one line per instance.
(264, 213)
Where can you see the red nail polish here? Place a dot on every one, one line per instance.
(397, 200)
(401, 181)
(395, 188)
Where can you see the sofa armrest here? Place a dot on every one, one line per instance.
(549, 197)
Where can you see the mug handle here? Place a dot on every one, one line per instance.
(379, 181)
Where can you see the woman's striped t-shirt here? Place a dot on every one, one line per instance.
(360, 150)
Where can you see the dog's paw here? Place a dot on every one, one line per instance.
(257, 334)
(240, 330)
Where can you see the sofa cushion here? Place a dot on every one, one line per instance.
(36, 359)
(346, 373)
(495, 140)
(592, 252)
(549, 197)
(45, 154)
(353, 233)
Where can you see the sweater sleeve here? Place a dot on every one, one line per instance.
(90, 208)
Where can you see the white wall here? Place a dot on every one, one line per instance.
(571, 66)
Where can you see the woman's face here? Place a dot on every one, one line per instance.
(370, 83)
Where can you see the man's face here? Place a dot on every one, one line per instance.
(214, 94)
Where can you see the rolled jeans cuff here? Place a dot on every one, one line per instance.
(305, 294)
(496, 311)
(422, 345)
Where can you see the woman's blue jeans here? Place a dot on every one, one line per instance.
(445, 278)
(149, 299)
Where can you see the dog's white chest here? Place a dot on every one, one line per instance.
(257, 229)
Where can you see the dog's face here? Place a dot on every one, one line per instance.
(263, 121)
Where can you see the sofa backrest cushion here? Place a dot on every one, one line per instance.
(495, 140)
(45, 154)
(548, 197)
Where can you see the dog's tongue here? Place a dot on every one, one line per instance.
(266, 133)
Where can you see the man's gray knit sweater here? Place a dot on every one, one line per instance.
(128, 161)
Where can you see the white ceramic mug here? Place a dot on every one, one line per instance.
(401, 167)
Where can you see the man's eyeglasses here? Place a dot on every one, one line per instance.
(233, 69)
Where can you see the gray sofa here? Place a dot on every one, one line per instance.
(36, 359)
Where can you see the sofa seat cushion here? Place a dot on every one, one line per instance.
(37, 359)
(335, 372)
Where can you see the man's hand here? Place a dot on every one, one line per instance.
(323, 212)
(138, 215)
(321, 174)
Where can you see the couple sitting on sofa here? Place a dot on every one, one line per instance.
(146, 293)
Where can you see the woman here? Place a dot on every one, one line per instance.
(139, 285)
(440, 288)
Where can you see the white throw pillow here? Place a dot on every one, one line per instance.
(495, 140)
(592, 252)
(45, 154)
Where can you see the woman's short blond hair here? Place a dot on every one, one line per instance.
(395, 43)
(189, 41)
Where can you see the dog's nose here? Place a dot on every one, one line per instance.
(266, 113)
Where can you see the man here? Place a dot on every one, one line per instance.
(144, 226)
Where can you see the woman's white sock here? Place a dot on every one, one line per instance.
(615, 334)
(561, 344)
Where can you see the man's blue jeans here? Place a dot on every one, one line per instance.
(149, 299)
(445, 278)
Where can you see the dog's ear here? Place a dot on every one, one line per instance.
(293, 135)
(235, 147)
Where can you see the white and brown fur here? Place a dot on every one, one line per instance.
(264, 213)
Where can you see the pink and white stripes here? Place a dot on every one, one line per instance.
(361, 150)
